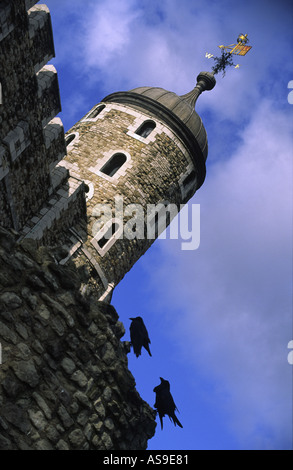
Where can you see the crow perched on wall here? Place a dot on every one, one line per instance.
(139, 336)
(164, 403)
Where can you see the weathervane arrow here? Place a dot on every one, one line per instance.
(240, 48)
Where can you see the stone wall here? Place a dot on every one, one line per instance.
(63, 209)
(31, 138)
(154, 173)
(64, 378)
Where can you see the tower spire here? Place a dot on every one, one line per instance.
(205, 81)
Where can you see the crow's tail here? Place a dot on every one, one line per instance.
(176, 420)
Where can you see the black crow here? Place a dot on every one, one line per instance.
(139, 336)
(164, 403)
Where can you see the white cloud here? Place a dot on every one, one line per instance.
(234, 293)
(108, 31)
(124, 44)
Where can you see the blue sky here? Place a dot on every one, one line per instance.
(219, 317)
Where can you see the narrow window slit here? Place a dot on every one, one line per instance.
(146, 128)
(96, 111)
(106, 237)
(113, 165)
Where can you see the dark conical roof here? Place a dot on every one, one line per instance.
(183, 106)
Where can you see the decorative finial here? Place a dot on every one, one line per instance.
(205, 81)
(226, 58)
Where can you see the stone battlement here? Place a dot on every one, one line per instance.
(31, 137)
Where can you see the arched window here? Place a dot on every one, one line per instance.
(188, 185)
(69, 139)
(189, 178)
(96, 111)
(146, 128)
(109, 234)
(113, 165)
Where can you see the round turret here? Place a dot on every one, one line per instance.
(142, 155)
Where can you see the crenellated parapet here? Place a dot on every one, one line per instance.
(48, 94)
(31, 136)
(40, 33)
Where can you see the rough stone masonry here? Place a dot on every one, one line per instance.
(64, 378)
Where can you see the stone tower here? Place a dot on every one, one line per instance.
(76, 212)
(142, 156)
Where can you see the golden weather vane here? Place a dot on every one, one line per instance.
(240, 48)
